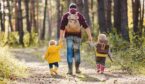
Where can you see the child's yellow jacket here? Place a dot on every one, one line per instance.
(52, 54)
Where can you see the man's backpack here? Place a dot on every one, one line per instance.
(73, 24)
(102, 48)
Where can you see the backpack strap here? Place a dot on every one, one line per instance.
(77, 13)
(74, 14)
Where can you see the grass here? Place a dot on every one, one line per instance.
(10, 67)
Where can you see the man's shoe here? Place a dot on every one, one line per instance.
(70, 69)
(77, 68)
(78, 71)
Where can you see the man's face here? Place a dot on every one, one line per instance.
(72, 10)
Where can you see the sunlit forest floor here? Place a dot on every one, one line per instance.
(39, 71)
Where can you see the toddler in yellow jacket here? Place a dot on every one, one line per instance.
(52, 55)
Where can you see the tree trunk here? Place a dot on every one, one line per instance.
(16, 16)
(49, 20)
(10, 15)
(28, 20)
(117, 14)
(37, 13)
(27, 16)
(68, 2)
(86, 12)
(142, 16)
(20, 23)
(42, 37)
(2, 16)
(124, 20)
(136, 6)
(80, 6)
(73, 1)
(58, 17)
(33, 20)
(108, 15)
(101, 16)
(93, 13)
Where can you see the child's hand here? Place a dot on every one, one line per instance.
(44, 57)
(91, 44)
(60, 42)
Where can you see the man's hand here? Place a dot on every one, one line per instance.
(90, 39)
(62, 32)
(60, 41)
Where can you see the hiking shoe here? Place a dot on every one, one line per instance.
(69, 73)
(78, 71)
(70, 69)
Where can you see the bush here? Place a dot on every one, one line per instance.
(131, 60)
(10, 66)
(30, 42)
(125, 54)
(1, 38)
(12, 39)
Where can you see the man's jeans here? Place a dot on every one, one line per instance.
(73, 49)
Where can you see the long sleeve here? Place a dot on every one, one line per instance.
(46, 55)
(82, 21)
(109, 53)
(64, 21)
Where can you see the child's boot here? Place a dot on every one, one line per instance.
(51, 72)
(98, 68)
(55, 70)
(102, 68)
(70, 69)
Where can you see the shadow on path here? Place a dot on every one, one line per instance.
(87, 78)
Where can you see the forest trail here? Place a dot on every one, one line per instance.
(39, 72)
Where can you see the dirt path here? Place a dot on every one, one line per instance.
(39, 72)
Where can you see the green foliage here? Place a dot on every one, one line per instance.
(1, 38)
(127, 55)
(33, 41)
(84, 36)
(130, 60)
(12, 39)
(88, 55)
(137, 40)
(10, 66)
(117, 43)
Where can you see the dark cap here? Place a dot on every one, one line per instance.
(72, 5)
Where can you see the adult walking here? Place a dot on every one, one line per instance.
(71, 24)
